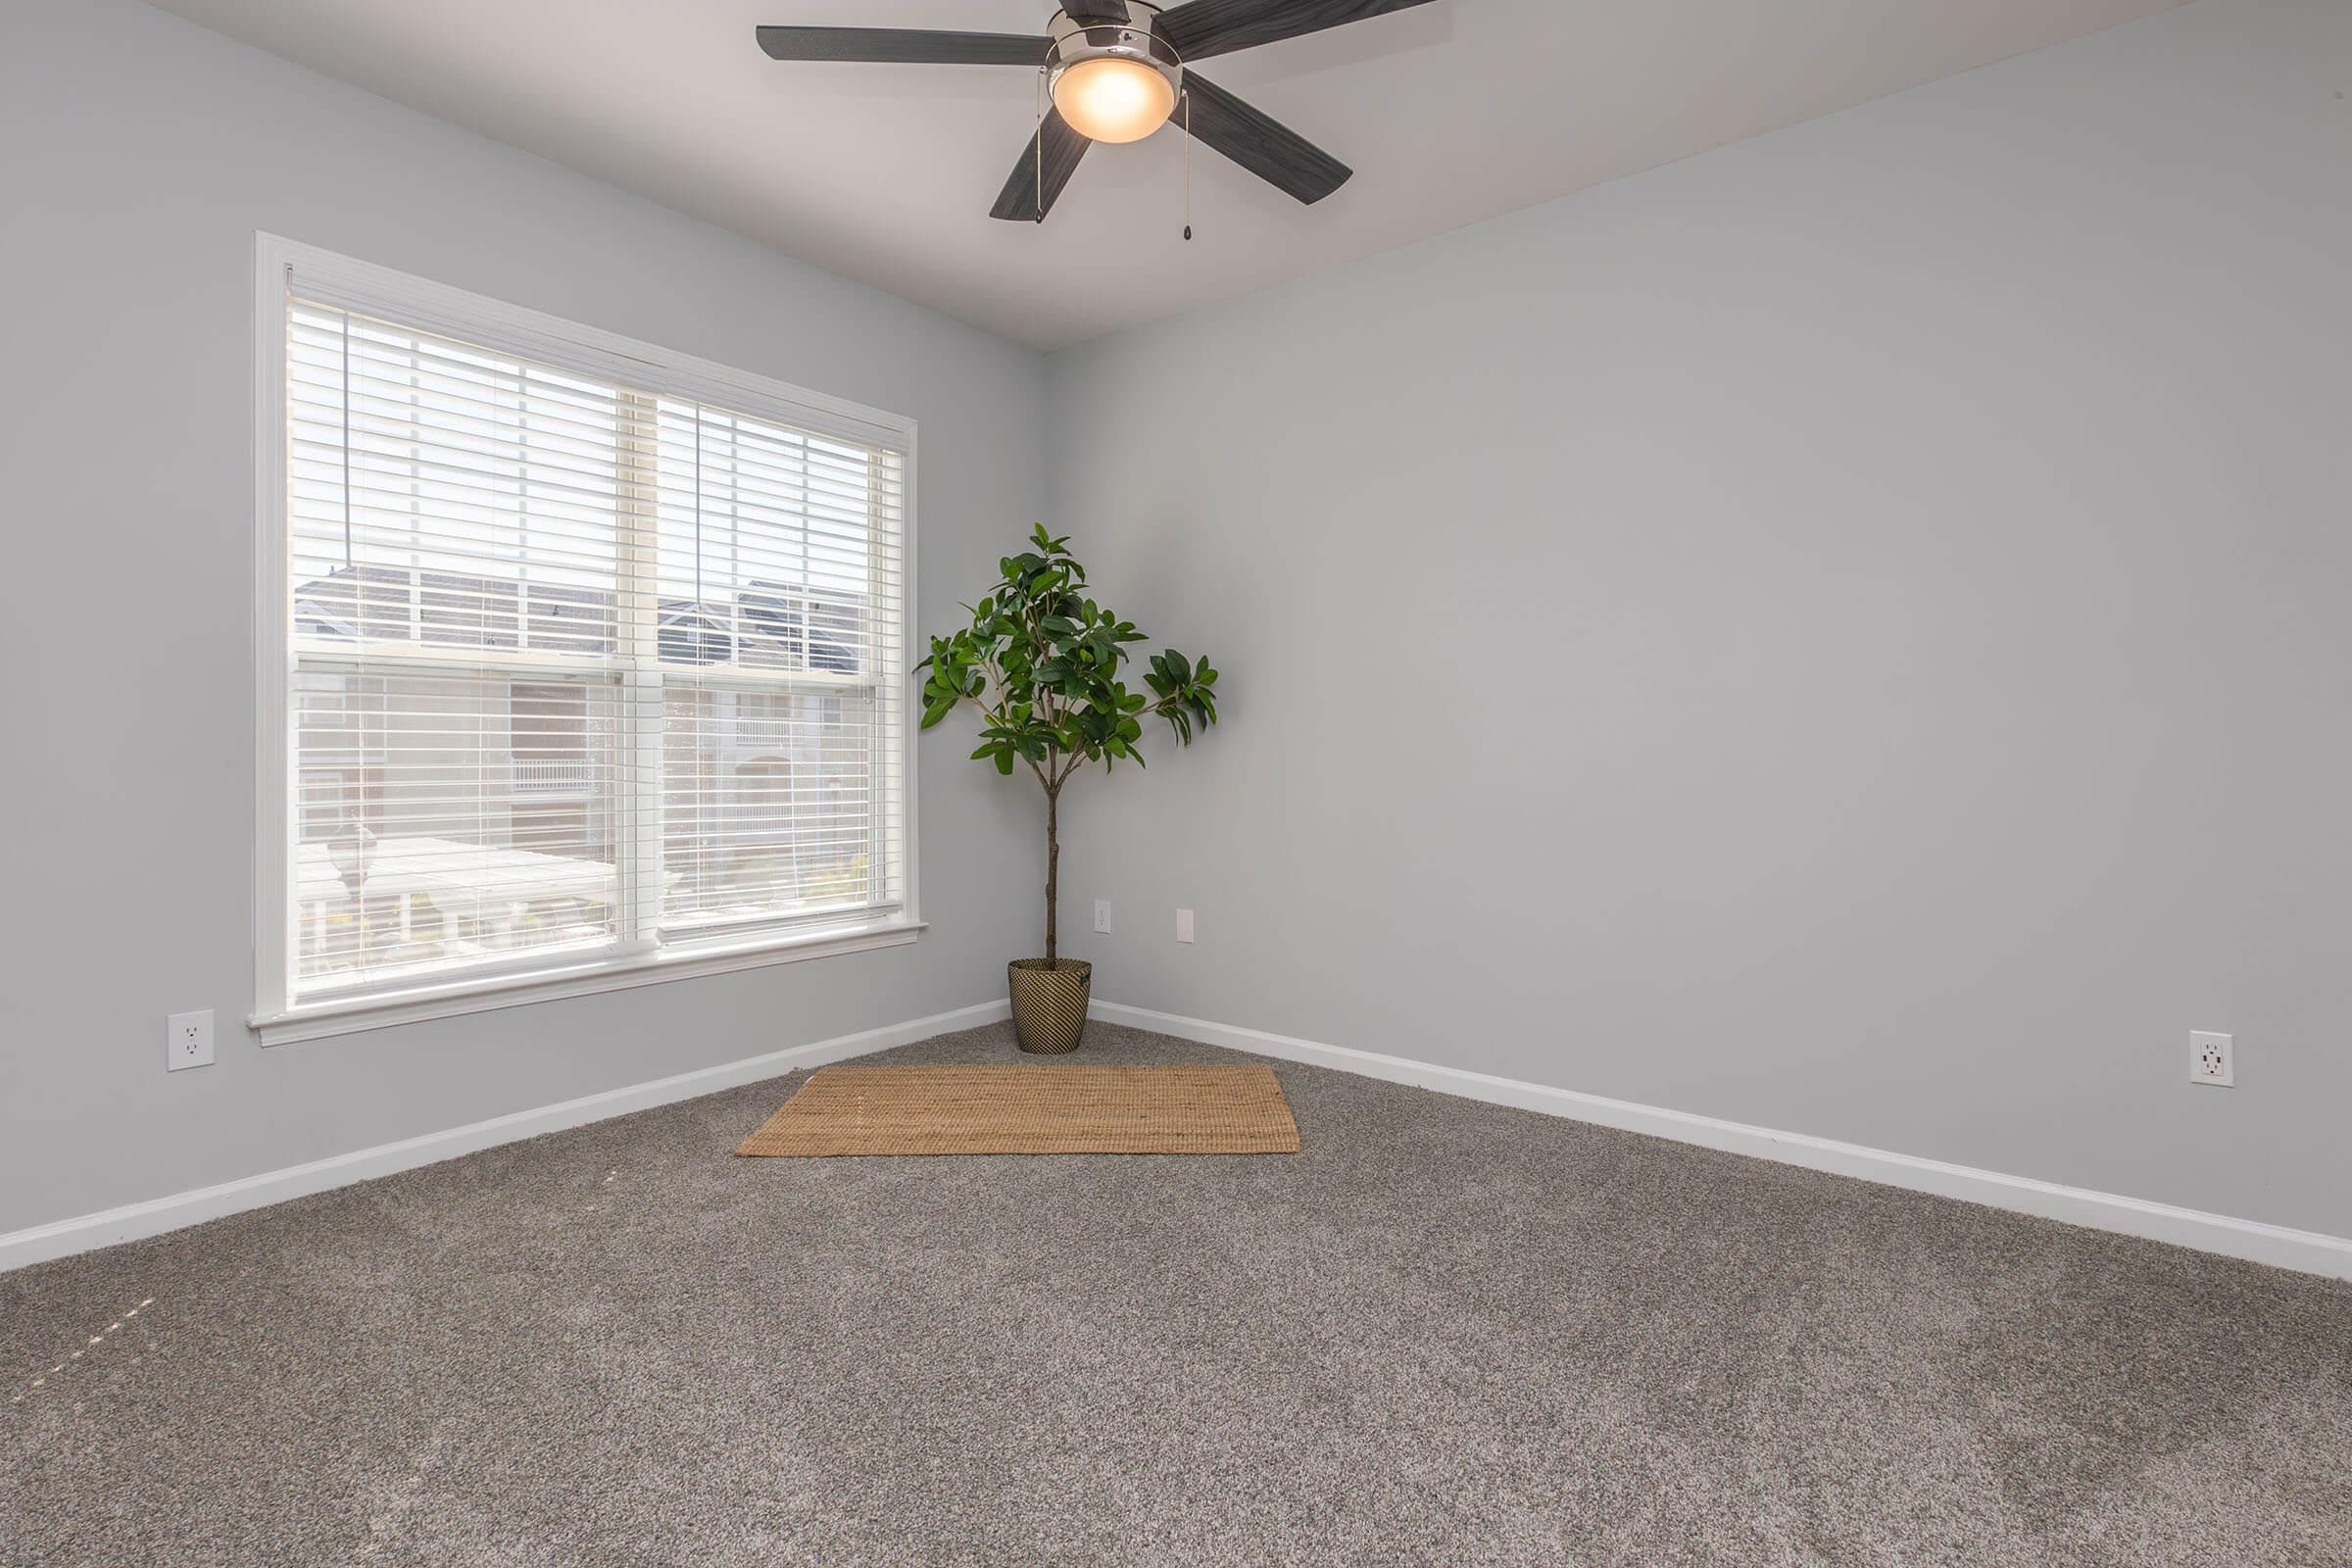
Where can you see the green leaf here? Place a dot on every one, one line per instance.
(1043, 659)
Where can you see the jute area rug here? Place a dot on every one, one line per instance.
(1032, 1110)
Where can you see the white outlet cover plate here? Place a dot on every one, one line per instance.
(1102, 915)
(2212, 1059)
(1183, 925)
(188, 1040)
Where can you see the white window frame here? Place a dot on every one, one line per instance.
(530, 335)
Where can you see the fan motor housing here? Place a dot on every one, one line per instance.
(1136, 40)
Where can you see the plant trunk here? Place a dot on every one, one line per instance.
(1052, 870)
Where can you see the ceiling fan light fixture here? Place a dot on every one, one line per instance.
(1113, 82)
(1119, 71)
(1114, 100)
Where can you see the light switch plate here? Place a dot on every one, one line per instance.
(1183, 925)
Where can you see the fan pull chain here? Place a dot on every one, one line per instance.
(1041, 145)
(1188, 167)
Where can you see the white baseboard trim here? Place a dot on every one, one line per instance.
(2308, 1252)
(156, 1215)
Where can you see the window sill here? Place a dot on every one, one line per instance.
(323, 1019)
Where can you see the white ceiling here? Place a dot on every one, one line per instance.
(1450, 113)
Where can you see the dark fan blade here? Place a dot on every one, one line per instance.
(1062, 149)
(1258, 142)
(898, 47)
(1113, 12)
(1204, 28)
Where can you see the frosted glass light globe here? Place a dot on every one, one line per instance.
(1114, 100)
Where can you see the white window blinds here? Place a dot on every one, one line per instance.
(581, 659)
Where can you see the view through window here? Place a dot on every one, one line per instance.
(575, 665)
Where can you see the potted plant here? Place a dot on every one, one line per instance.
(1040, 661)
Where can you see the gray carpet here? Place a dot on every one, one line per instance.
(1447, 1333)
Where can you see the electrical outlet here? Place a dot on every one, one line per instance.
(2212, 1060)
(1183, 925)
(188, 1040)
(1102, 915)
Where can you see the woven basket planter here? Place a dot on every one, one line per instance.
(1049, 1002)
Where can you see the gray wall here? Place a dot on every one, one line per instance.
(1848, 632)
(138, 157)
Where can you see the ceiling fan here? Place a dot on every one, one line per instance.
(1118, 70)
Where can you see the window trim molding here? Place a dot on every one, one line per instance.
(275, 1018)
(321, 1020)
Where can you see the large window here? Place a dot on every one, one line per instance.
(591, 656)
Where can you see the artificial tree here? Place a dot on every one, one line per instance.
(1042, 661)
